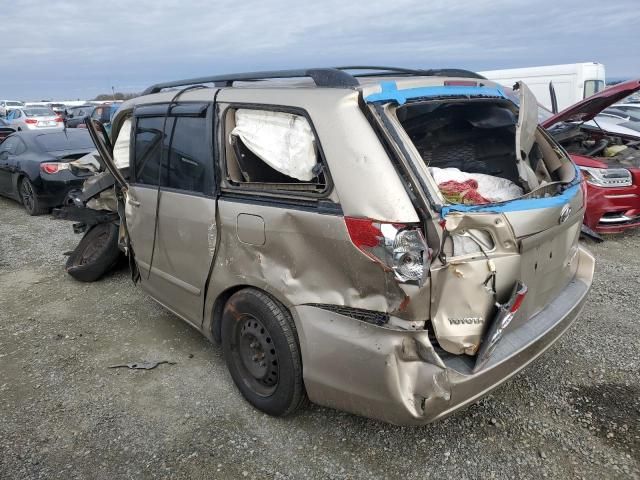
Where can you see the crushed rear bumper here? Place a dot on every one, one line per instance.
(397, 376)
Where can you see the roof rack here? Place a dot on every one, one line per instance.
(323, 77)
(378, 71)
(337, 77)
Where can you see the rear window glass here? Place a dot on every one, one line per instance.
(39, 112)
(65, 141)
(14, 104)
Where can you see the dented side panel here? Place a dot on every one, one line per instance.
(304, 257)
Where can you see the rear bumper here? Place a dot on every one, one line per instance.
(53, 188)
(396, 376)
(612, 210)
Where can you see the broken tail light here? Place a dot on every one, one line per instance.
(400, 248)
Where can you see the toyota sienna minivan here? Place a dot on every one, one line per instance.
(390, 242)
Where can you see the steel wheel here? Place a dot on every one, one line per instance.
(255, 355)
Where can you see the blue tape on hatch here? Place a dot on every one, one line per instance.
(516, 205)
(390, 93)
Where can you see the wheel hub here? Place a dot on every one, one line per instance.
(257, 352)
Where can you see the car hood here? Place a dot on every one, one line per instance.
(588, 108)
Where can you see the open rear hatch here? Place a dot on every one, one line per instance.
(505, 202)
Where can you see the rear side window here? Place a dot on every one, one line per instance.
(190, 160)
(80, 140)
(272, 150)
(178, 155)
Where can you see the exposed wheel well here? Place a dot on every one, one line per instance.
(221, 301)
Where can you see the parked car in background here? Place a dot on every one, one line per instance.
(5, 129)
(608, 153)
(103, 114)
(34, 167)
(59, 108)
(456, 215)
(35, 118)
(76, 115)
(7, 105)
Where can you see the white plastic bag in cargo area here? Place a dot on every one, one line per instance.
(283, 141)
(494, 189)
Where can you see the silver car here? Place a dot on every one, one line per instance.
(35, 118)
(394, 244)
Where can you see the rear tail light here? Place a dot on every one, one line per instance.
(53, 167)
(59, 119)
(396, 247)
(31, 121)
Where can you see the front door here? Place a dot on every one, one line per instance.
(171, 204)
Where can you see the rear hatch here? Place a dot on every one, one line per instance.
(504, 202)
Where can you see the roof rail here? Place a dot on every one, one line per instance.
(323, 77)
(375, 71)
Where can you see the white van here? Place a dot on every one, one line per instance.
(572, 82)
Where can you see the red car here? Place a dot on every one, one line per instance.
(608, 155)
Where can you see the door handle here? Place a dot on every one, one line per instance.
(134, 203)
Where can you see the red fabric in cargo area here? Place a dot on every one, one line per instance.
(462, 192)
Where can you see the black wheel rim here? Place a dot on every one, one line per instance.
(26, 192)
(93, 249)
(255, 356)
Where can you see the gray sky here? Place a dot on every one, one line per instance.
(78, 49)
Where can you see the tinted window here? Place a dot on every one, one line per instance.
(190, 159)
(149, 148)
(78, 140)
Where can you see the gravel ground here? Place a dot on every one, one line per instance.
(572, 414)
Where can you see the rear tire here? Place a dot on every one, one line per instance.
(96, 254)
(29, 198)
(260, 347)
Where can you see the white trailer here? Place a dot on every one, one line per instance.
(572, 82)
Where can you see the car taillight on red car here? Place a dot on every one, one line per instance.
(396, 247)
(53, 167)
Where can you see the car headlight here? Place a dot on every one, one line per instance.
(607, 177)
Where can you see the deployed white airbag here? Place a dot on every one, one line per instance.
(283, 141)
(121, 147)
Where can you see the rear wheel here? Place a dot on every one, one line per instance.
(96, 254)
(29, 198)
(261, 349)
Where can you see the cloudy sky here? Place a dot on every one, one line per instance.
(66, 49)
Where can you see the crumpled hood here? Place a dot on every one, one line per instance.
(588, 108)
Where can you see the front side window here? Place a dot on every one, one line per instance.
(150, 145)
(592, 87)
(271, 150)
(177, 155)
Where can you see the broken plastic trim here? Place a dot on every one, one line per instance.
(501, 321)
(369, 316)
(390, 93)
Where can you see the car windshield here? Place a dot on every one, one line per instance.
(39, 112)
(78, 140)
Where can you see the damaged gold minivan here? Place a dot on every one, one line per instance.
(390, 242)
